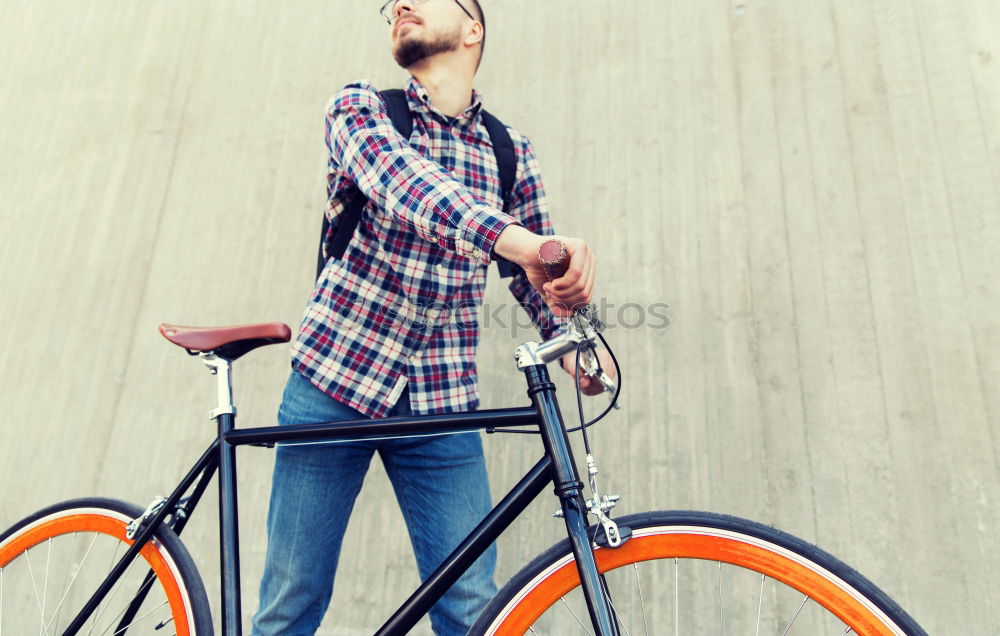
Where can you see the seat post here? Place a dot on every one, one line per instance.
(225, 415)
(222, 369)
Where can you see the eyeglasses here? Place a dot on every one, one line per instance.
(389, 9)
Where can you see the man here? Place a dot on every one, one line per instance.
(377, 338)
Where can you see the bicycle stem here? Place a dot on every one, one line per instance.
(583, 327)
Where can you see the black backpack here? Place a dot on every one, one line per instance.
(399, 113)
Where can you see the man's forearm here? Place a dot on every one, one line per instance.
(518, 245)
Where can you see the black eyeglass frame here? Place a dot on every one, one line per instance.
(386, 9)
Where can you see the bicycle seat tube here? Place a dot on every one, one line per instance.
(229, 539)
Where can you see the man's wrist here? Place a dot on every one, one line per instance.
(517, 244)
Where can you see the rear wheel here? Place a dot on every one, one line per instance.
(52, 562)
(696, 572)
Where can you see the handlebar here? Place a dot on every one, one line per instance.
(554, 258)
(582, 334)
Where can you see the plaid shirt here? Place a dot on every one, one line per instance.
(401, 307)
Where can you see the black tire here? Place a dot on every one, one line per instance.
(53, 560)
(735, 571)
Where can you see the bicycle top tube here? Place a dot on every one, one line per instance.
(411, 426)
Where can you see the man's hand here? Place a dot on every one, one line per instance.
(588, 385)
(573, 289)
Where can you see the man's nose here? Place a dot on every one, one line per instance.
(401, 6)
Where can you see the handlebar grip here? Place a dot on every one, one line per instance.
(554, 257)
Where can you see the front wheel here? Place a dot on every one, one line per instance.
(52, 562)
(695, 573)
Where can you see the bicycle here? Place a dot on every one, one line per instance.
(601, 577)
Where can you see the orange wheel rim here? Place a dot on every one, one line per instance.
(707, 547)
(114, 528)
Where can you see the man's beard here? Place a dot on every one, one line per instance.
(413, 50)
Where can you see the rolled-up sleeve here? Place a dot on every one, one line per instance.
(530, 207)
(421, 194)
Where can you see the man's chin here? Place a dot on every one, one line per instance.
(409, 53)
(411, 48)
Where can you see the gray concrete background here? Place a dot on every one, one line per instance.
(811, 186)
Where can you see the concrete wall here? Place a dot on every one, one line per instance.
(810, 185)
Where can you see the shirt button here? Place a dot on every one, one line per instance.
(476, 253)
(415, 357)
(440, 268)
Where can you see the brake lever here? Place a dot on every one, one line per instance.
(587, 320)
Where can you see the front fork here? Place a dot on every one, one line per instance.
(569, 490)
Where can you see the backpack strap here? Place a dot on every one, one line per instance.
(503, 148)
(336, 245)
(399, 110)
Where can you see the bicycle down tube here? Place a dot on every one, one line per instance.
(556, 467)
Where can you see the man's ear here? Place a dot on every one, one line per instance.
(475, 34)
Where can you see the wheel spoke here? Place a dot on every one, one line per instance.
(575, 616)
(621, 622)
(117, 588)
(45, 584)
(97, 611)
(54, 623)
(31, 573)
(144, 588)
(722, 618)
(677, 598)
(642, 604)
(760, 602)
(606, 592)
(55, 620)
(796, 617)
(134, 621)
(141, 592)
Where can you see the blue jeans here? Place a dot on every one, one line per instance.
(442, 490)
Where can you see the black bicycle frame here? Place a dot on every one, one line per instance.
(555, 467)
